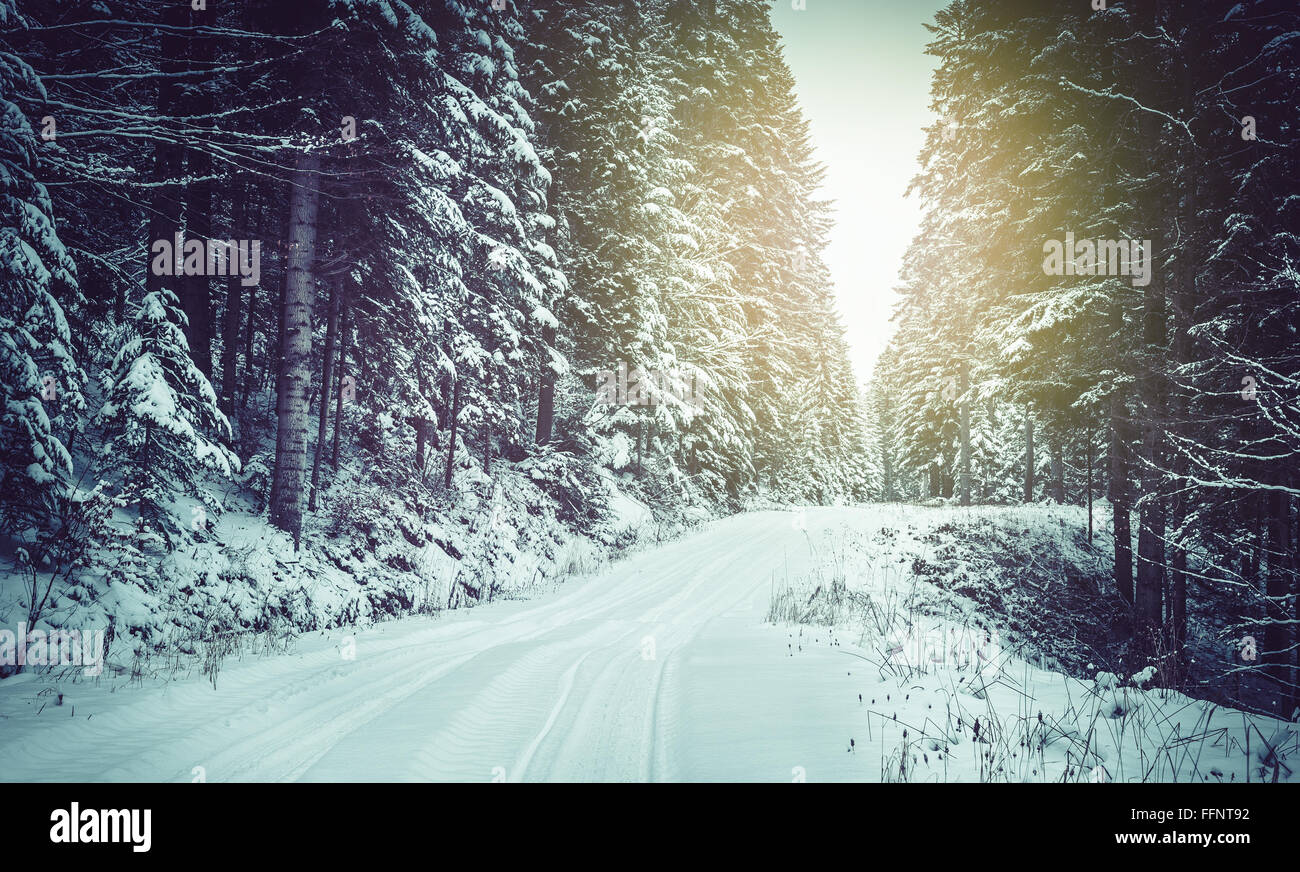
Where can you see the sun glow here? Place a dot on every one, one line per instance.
(863, 81)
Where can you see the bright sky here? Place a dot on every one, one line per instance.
(864, 82)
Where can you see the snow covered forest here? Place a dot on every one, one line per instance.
(1166, 394)
(452, 224)
(327, 316)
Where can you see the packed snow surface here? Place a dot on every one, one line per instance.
(664, 667)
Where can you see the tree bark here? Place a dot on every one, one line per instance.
(1277, 632)
(640, 426)
(1149, 589)
(326, 382)
(230, 315)
(1089, 463)
(451, 443)
(345, 330)
(250, 330)
(546, 389)
(196, 290)
(1029, 456)
(1058, 471)
(1118, 494)
(1184, 298)
(964, 385)
(299, 293)
(165, 206)
(421, 441)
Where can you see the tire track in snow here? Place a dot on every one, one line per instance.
(556, 689)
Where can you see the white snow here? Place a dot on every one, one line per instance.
(661, 668)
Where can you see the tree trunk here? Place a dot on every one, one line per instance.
(1178, 608)
(250, 335)
(165, 206)
(230, 316)
(1089, 463)
(965, 434)
(1149, 590)
(640, 425)
(1117, 492)
(888, 464)
(421, 450)
(1277, 631)
(1184, 298)
(451, 443)
(345, 330)
(299, 291)
(326, 382)
(546, 390)
(1058, 471)
(1029, 456)
(196, 290)
(275, 367)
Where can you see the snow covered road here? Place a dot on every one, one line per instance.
(659, 669)
(662, 668)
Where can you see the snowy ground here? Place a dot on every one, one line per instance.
(664, 667)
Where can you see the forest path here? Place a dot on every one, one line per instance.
(660, 668)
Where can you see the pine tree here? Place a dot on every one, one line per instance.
(159, 421)
(39, 375)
